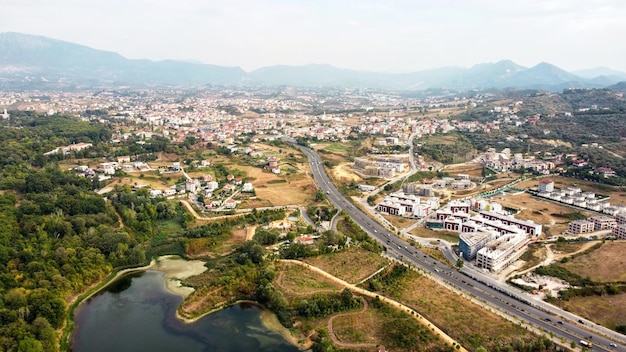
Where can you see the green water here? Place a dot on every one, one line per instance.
(137, 313)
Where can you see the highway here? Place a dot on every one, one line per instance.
(509, 300)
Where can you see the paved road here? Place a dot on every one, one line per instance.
(483, 287)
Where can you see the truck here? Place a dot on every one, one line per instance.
(586, 343)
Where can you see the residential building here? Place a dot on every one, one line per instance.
(620, 217)
(603, 222)
(247, 187)
(580, 226)
(528, 226)
(619, 231)
(546, 185)
(230, 203)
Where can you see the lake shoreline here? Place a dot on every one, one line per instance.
(175, 269)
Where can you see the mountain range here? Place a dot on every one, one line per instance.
(36, 62)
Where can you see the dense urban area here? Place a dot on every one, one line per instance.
(363, 219)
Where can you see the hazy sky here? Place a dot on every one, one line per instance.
(380, 35)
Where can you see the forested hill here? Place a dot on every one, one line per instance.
(50, 225)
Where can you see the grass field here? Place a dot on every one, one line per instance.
(149, 178)
(352, 265)
(607, 310)
(295, 189)
(424, 232)
(384, 326)
(606, 264)
(296, 281)
(362, 327)
(469, 323)
(399, 222)
(336, 148)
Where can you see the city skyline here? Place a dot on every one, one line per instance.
(398, 36)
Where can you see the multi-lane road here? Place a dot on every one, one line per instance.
(508, 300)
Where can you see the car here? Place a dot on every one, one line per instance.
(548, 319)
(580, 321)
(612, 344)
(559, 322)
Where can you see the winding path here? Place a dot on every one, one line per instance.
(336, 340)
(438, 332)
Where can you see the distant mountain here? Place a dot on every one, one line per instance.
(621, 86)
(35, 62)
(599, 71)
(35, 59)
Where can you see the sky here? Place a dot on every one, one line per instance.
(373, 35)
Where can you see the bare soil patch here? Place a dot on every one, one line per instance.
(605, 264)
(352, 265)
(343, 173)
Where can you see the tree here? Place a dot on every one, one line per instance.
(319, 195)
(251, 251)
(459, 263)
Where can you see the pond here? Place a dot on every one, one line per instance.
(137, 313)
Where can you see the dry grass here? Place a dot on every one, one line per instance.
(605, 264)
(475, 170)
(299, 188)
(564, 248)
(399, 222)
(352, 265)
(363, 327)
(150, 178)
(465, 321)
(296, 281)
(436, 254)
(255, 203)
(211, 247)
(535, 254)
(605, 310)
(424, 232)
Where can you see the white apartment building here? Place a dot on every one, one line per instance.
(502, 252)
